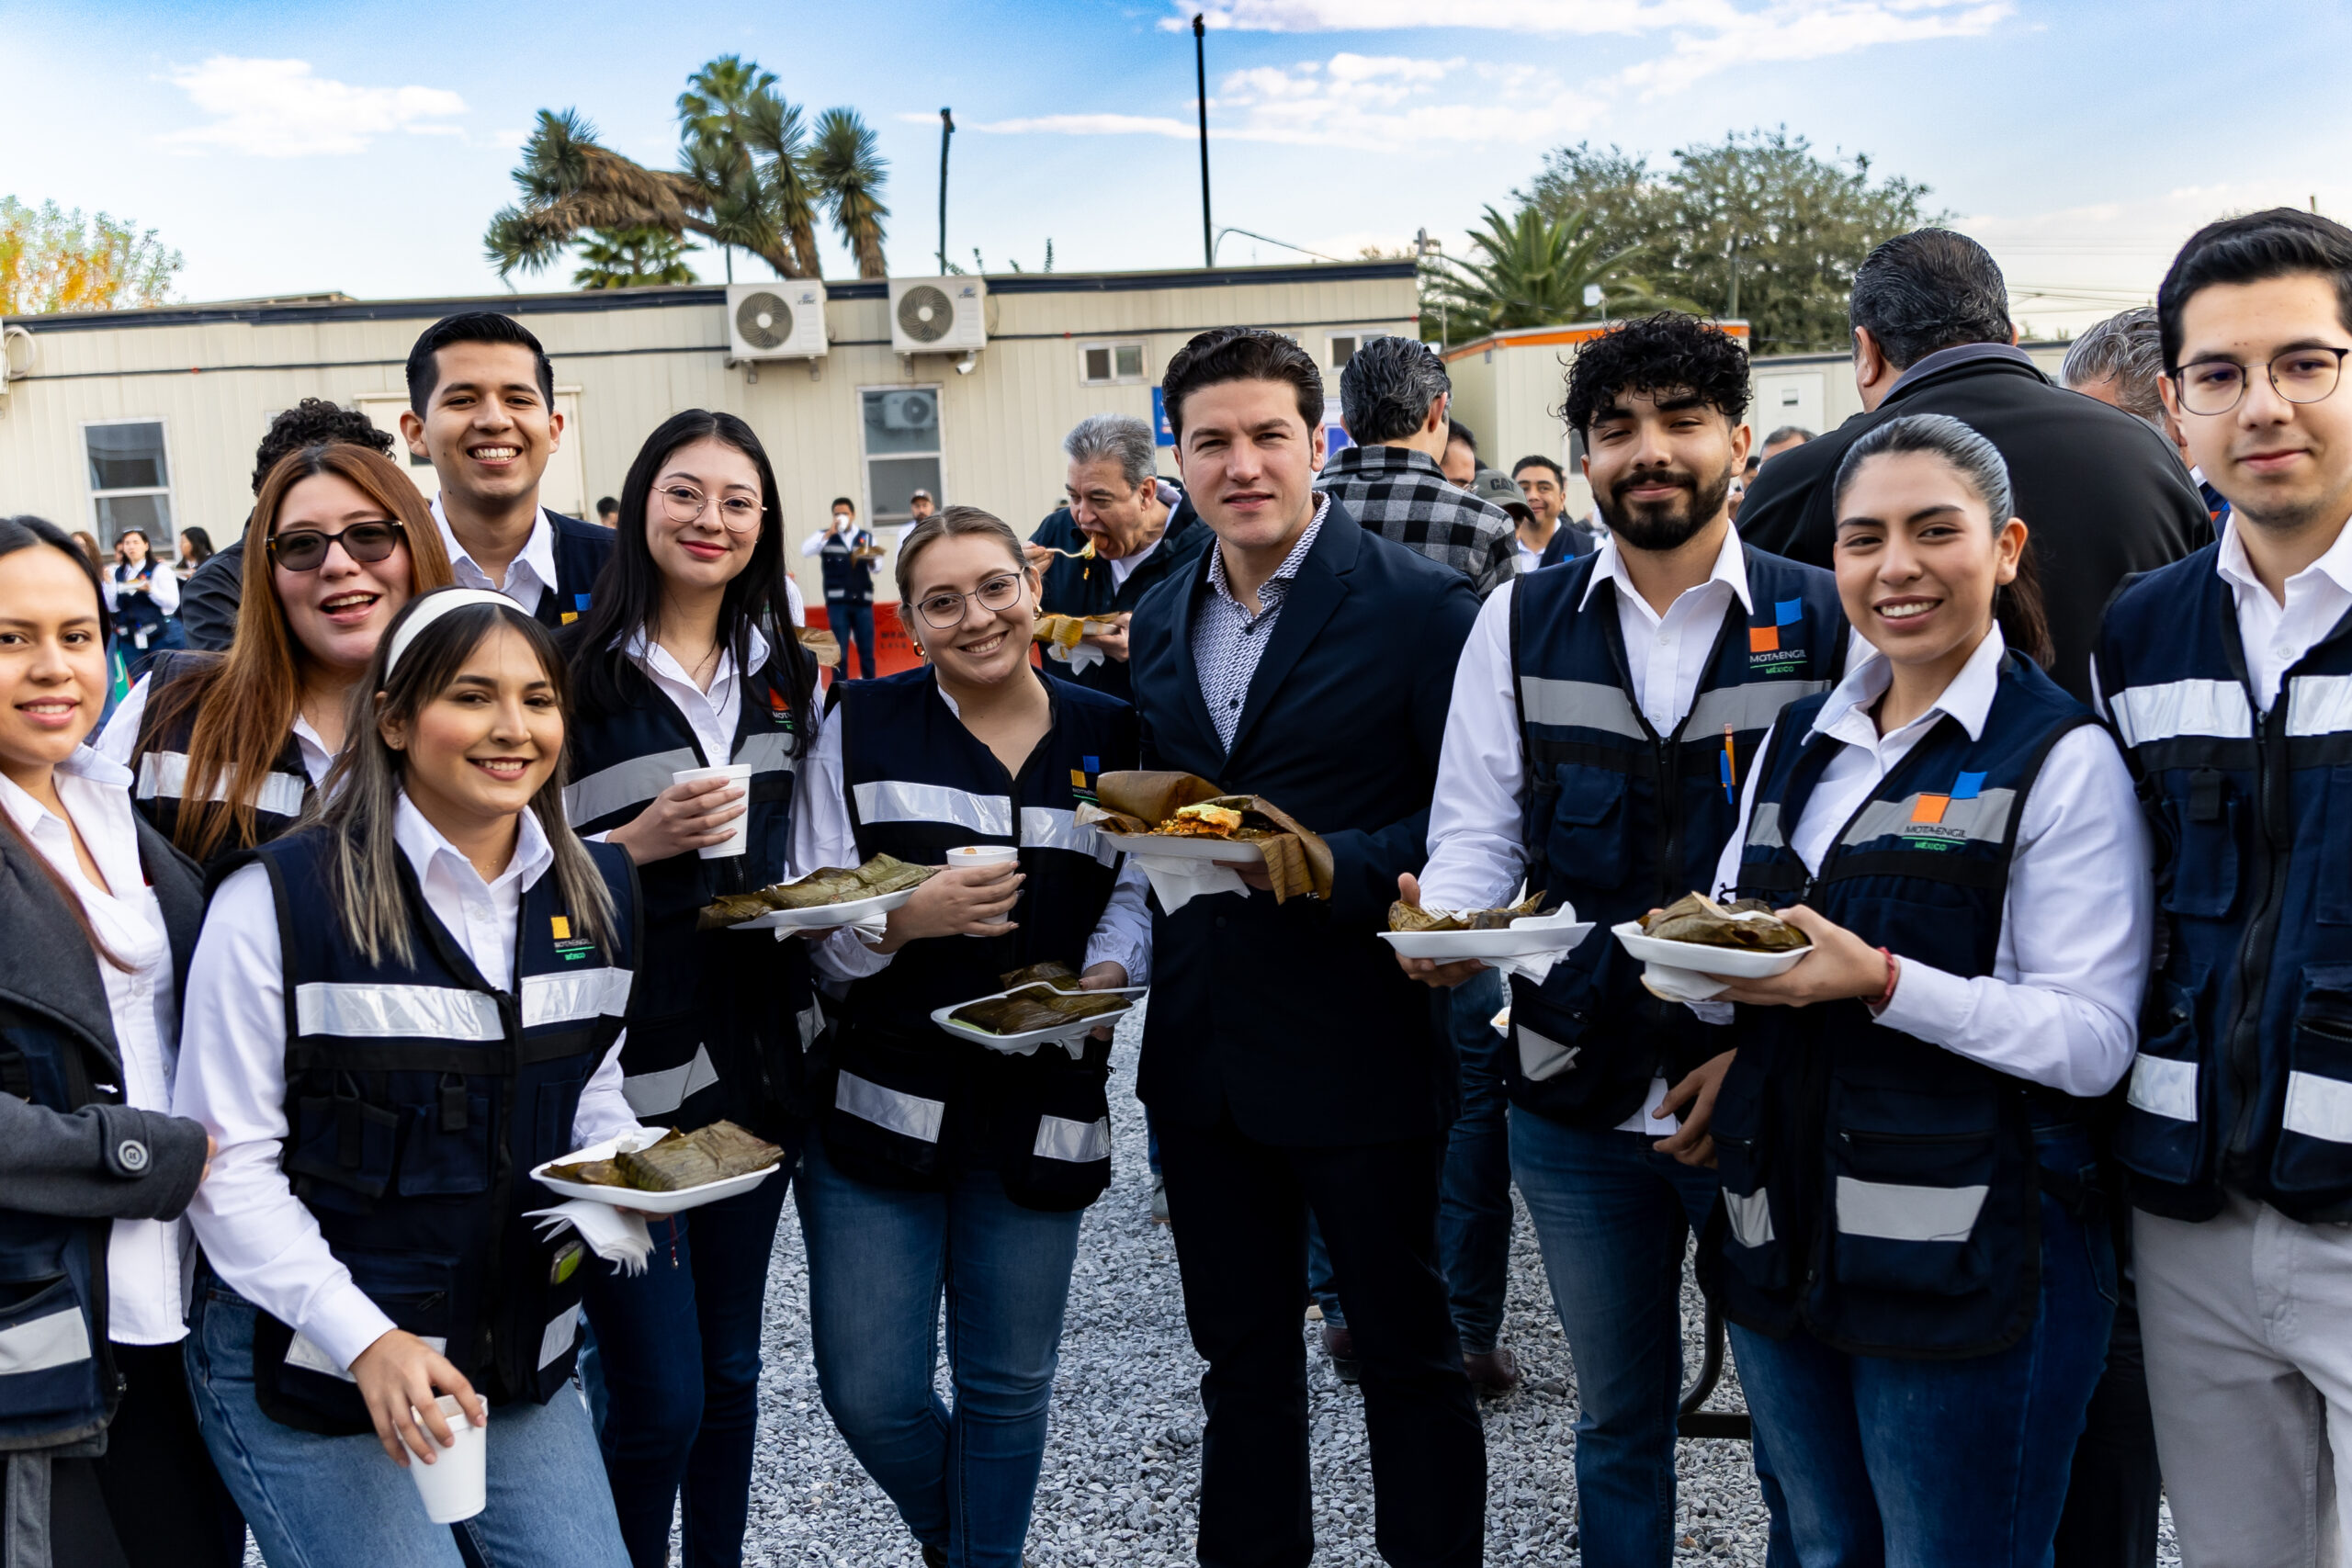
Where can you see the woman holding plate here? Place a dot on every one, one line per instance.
(944, 1166)
(1912, 1247)
(685, 665)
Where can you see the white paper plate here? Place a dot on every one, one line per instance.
(826, 915)
(1160, 846)
(1024, 1043)
(1736, 963)
(1523, 938)
(644, 1202)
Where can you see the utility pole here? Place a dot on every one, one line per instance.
(1731, 312)
(1201, 87)
(946, 129)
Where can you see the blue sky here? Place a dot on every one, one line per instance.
(292, 148)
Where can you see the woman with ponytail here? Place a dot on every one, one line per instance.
(103, 1464)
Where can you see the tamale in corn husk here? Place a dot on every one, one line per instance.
(1404, 917)
(1033, 1007)
(827, 885)
(1748, 923)
(678, 1160)
(1053, 972)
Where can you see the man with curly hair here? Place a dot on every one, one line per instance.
(1603, 714)
(210, 599)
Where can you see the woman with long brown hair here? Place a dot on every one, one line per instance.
(228, 749)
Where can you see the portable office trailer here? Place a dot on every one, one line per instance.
(1816, 392)
(148, 418)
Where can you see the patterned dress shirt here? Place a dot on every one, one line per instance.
(1228, 641)
(1405, 497)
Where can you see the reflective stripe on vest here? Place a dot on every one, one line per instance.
(1750, 1214)
(767, 752)
(1046, 828)
(1079, 1143)
(2318, 1107)
(2319, 705)
(1755, 705)
(164, 774)
(569, 995)
(1583, 704)
(890, 800)
(58, 1339)
(363, 1011)
(658, 1094)
(909, 1115)
(1984, 818)
(2163, 1087)
(1541, 1059)
(625, 785)
(1892, 1211)
(2144, 714)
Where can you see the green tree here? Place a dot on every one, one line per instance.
(1757, 226)
(1531, 270)
(52, 260)
(632, 258)
(749, 177)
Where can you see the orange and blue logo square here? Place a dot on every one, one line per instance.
(1765, 639)
(1928, 809)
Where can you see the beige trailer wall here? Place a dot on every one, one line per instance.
(213, 378)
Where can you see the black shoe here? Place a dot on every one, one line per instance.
(1340, 1346)
(933, 1558)
(1495, 1372)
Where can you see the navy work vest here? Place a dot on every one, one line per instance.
(2243, 1075)
(418, 1098)
(911, 1101)
(1879, 1191)
(848, 580)
(1622, 819)
(137, 617)
(722, 1018)
(581, 551)
(58, 1383)
(161, 762)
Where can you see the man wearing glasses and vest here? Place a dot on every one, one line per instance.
(2228, 677)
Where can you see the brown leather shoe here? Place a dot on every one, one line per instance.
(1340, 1346)
(1496, 1373)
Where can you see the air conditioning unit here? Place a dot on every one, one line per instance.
(785, 320)
(917, 410)
(19, 353)
(938, 315)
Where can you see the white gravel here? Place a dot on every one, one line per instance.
(1122, 1473)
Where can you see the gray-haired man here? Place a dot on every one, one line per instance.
(1393, 398)
(1141, 529)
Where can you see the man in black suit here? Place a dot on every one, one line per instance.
(1289, 1066)
(481, 408)
(2103, 494)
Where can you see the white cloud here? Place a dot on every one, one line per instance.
(1509, 15)
(1810, 30)
(1083, 125)
(278, 108)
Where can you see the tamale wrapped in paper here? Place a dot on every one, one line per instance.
(678, 1160)
(1404, 917)
(822, 646)
(1064, 631)
(1035, 1007)
(1140, 803)
(1749, 924)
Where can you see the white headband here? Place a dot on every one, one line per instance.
(434, 605)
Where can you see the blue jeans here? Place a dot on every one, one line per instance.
(846, 621)
(1612, 1216)
(1942, 1464)
(880, 1262)
(316, 1501)
(1474, 1215)
(675, 1378)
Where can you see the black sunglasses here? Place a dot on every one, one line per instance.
(305, 549)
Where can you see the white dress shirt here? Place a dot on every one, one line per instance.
(146, 1259)
(528, 575)
(119, 743)
(823, 835)
(2275, 635)
(257, 1235)
(711, 713)
(2060, 1006)
(162, 587)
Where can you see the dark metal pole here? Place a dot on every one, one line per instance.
(1201, 85)
(946, 129)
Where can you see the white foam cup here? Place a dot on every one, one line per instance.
(983, 855)
(739, 832)
(453, 1486)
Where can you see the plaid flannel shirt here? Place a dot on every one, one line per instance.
(1403, 496)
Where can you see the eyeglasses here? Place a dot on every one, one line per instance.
(2298, 375)
(944, 611)
(684, 504)
(305, 549)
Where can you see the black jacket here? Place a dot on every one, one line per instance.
(1295, 1018)
(1088, 587)
(2103, 494)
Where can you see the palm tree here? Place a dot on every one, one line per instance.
(632, 258)
(1532, 271)
(848, 173)
(742, 146)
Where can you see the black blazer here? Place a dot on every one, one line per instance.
(2104, 495)
(1294, 1017)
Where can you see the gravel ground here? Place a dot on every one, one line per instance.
(1122, 1472)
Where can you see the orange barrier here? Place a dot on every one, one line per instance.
(892, 649)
